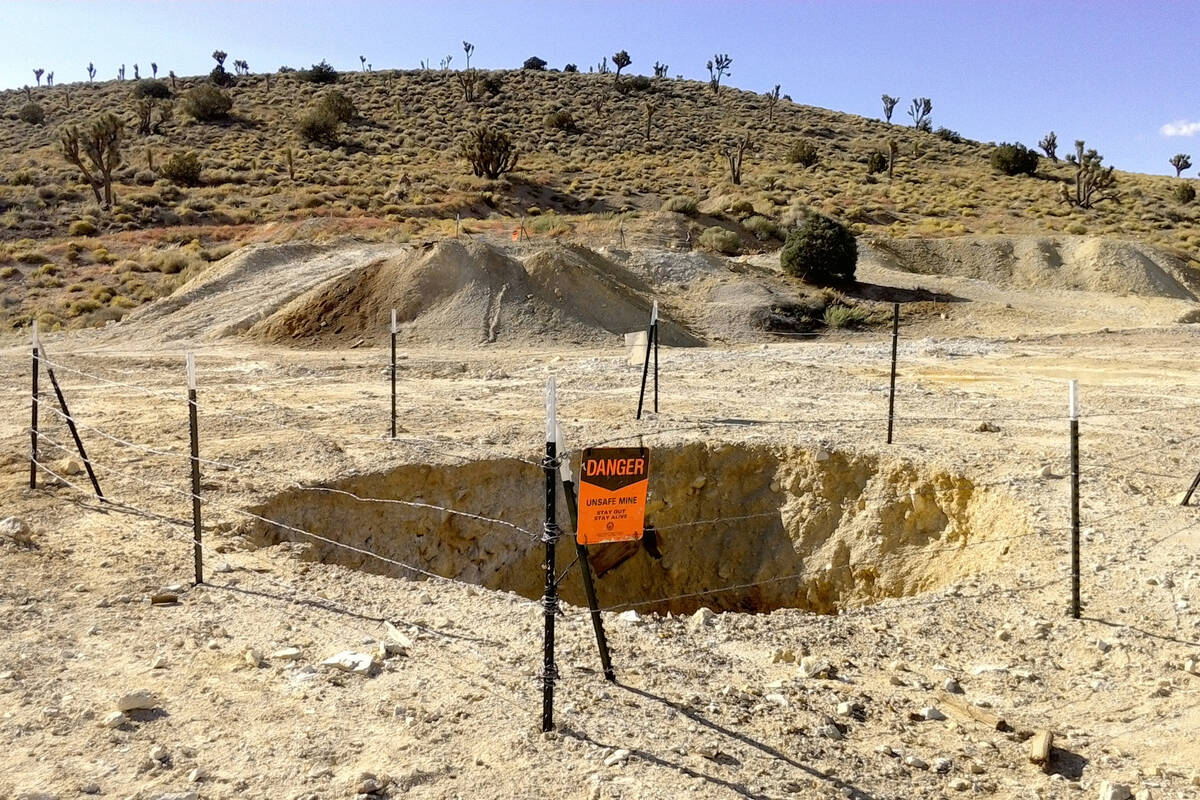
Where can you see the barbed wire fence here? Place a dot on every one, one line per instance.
(135, 489)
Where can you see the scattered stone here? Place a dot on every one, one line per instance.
(1143, 794)
(90, 788)
(286, 654)
(369, 784)
(845, 709)
(701, 619)
(960, 784)
(830, 731)
(159, 753)
(931, 713)
(987, 427)
(1103, 646)
(113, 719)
(70, 466)
(915, 763)
(952, 686)
(350, 661)
(630, 616)
(177, 796)
(618, 757)
(1114, 791)
(136, 700)
(17, 530)
(783, 656)
(425, 599)
(159, 662)
(815, 667)
(1192, 665)
(197, 775)
(386, 650)
(253, 658)
(942, 765)
(396, 635)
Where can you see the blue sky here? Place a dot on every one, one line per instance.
(1122, 75)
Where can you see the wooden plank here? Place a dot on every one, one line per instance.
(965, 709)
(1039, 748)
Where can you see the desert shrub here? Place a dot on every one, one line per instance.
(803, 152)
(320, 73)
(571, 68)
(876, 162)
(182, 168)
(23, 177)
(32, 113)
(740, 209)
(720, 240)
(762, 228)
(945, 134)
(1014, 159)
(318, 125)
(534, 63)
(206, 103)
(148, 87)
(219, 77)
(821, 251)
(842, 316)
(1184, 193)
(637, 83)
(560, 120)
(82, 227)
(490, 152)
(338, 104)
(680, 205)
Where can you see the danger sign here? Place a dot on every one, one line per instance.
(612, 494)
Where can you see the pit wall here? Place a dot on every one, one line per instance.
(806, 528)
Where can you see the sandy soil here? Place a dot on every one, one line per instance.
(944, 556)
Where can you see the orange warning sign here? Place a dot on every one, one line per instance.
(612, 494)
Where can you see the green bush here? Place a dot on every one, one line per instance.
(320, 73)
(338, 104)
(876, 162)
(534, 63)
(219, 77)
(148, 87)
(82, 227)
(821, 251)
(182, 168)
(318, 125)
(681, 205)
(1184, 193)
(1014, 159)
(206, 103)
(762, 228)
(560, 120)
(945, 134)
(741, 209)
(840, 316)
(803, 153)
(32, 113)
(719, 240)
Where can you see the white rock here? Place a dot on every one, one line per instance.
(915, 763)
(629, 616)
(159, 753)
(845, 708)
(701, 619)
(286, 654)
(16, 529)
(830, 731)
(1114, 791)
(197, 775)
(931, 713)
(113, 719)
(616, 758)
(1103, 646)
(136, 700)
(952, 686)
(814, 667)
(350, 661)
(253, 658)
(1192, 665)
(69, 466)
(960, 784)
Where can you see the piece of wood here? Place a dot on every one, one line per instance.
(963, 708)
(1039, 747)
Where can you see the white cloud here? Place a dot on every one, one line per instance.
(1180, 128)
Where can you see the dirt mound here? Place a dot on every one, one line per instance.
(470, 292)
(1085, 263)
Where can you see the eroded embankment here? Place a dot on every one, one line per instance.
(745, 528)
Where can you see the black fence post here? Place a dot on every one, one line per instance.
(1187, 497)
(62, 403)
(550, 538)
(33, 429)
(193, 425)
(1074, 402)
(654, 331)
(892, 385)
(585, 569)
(646, 363)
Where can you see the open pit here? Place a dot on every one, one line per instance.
(785, 527)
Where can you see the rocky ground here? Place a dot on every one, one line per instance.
(283, 676)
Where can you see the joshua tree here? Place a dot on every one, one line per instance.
(1092, 180)
(121, 73)
(468, 48)
(718, 67)
(136, 75)
(147, 121)
(220, 56)
(889, 105)
(1049, 145)
(37, 75)
(468, 82)
(893, 153)
(28, 93)
(171, 75)
(100, 145)
(241, 67)
(445, 62)
(772, 100)
(49, 78)
(91, 72)
(153, 70)
(621, 60)
(920, 110)
(490, 152)
(363, 60)
(602, 67)
(660, 70)
(1181, 161)
(734, 151)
